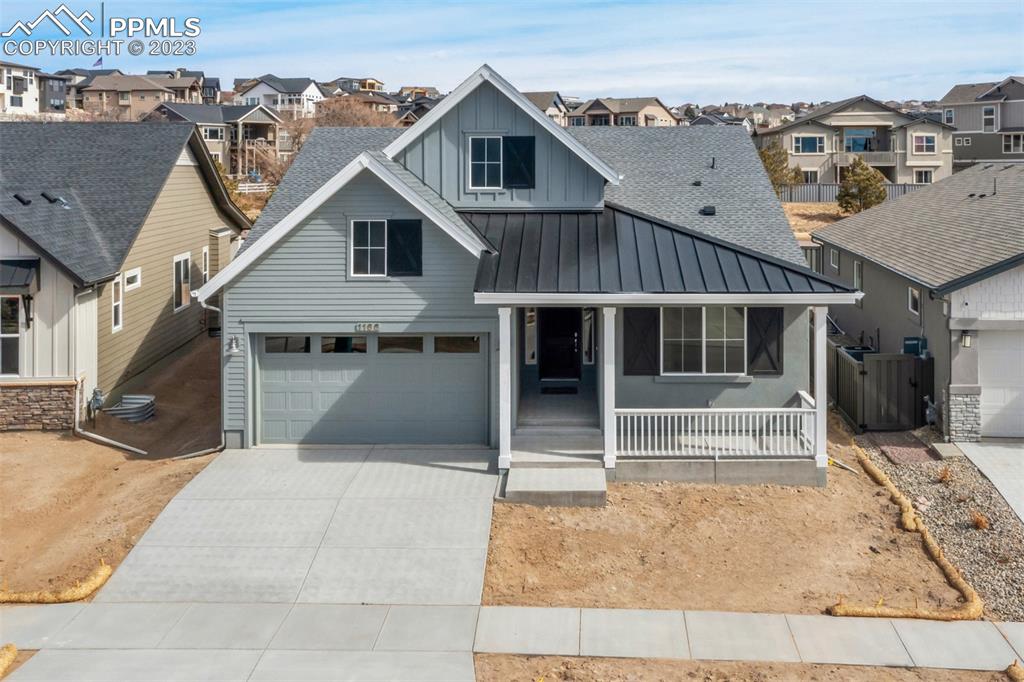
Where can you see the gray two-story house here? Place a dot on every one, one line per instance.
(488, 277)
(989, 121)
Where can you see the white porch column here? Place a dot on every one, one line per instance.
(820, 388)
(504, 388)
(608, 387)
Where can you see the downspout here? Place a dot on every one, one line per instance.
(217, 448)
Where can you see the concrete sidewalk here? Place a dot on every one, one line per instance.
(1002, 462)
(140, 641)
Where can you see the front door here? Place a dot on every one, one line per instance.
(559, 331)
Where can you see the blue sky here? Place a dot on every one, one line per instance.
(707, 52)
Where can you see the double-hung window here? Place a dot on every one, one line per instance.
(211, 133)
(1013, 144)
(182, 280)
(914, 300)
(116, 303)
(808, 144)
(924, 144)
(10, 335)
(369, 248)
(988, 119)
(923, 176)
(485, 162)
(948, 117)
(703, 340)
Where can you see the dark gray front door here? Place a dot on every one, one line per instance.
(559, 332)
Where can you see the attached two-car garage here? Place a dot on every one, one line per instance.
(1001, 376)
(372, 388)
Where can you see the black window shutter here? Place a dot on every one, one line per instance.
(405, 248)
(517, 156)
(764, 341)
(641, 336)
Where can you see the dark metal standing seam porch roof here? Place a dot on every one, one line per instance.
(620, 251)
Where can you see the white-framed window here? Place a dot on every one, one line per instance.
(923, 176)
(124, 97)
(10, 335)
(182, 281)
(704, 340)
(808, 144)
(213, 133)
(924, 144)
(116, 303)
(858, 279)
(1013, 143)
(988, 119)
(833, 258)
(967, 142)
(577, 121)
(215, 156)
(485, 162)
(132, 279)
(958, 141)
(810, 177)
(205, 264)
(252, 101)
(369, 252)
(948, 117)
(914, 300)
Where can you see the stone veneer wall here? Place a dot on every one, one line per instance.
(37, 406)
(963, 417)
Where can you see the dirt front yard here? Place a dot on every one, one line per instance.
(66, 502)
(806, 218)
(762, 548)
(493, 667)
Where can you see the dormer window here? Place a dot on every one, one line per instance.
(497, 163)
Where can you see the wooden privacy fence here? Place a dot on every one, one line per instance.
(882, 392)
(828, 192)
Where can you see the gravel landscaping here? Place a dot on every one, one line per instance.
(953, 496)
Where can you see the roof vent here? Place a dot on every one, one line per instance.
(707, 210)
(696, 183)
(971, 195)
(49, 197)
(23, 200)
(982, 196)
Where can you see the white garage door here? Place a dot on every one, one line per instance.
(320, 389)
(1001, 374)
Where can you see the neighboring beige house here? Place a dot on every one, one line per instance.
(376, 101)
(632, 111)
(552, 104)
(904, 148)
(99, 251)
(132, 97)
(19, 89)
(355, 84)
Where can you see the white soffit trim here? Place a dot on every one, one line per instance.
(362, 162)
(486, 73)
(664, 299)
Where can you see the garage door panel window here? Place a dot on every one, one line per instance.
(400, 344)
(286, 344)
(456, 344)
(342, 344)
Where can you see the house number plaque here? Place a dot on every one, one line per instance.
(368, 327)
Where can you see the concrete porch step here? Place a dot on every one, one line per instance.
(557, 487)
(549, 447)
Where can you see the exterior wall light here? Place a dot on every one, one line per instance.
(233, 347)
(965, 338)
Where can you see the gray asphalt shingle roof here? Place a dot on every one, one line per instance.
(108, 173)
(659, 166)
(962, 93)
(218, 114)
(939, 234)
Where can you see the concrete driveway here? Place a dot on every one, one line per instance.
(1002, 461)
(348, 563)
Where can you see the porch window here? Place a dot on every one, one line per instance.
(859, 140)
(10, 335)
(485, 162)
(988, 119)
(808, 144)
(182, 280)
(116, 303)
(703, 340)
(924, 144)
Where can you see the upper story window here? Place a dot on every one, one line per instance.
(948, 117)
(833, 258)
(386, 248)
(924, 144)
(808, 144)
(914, 300)
(213, 133)
(369, 248)
(988, 119)
(124, 97)
(1013, 144)
(485, 162)
(577, 121)
(116, 303)
(860, 140)
(629, 120)
(601, 120)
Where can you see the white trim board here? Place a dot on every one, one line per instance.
(364, 161)
(486, 74)
(498, 298)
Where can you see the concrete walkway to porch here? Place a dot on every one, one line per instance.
(1002, 462)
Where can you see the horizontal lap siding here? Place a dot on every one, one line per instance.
(439, 156)
(304, 279)
(180, 220)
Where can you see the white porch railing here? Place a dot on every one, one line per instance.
(717, 433)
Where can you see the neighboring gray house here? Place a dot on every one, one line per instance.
(488, 277)
(947, 263)
(902, 147)
(989, 121)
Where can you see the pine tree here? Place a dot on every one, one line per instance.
(776, 163)
(862, 187)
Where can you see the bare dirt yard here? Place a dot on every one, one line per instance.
(761, 548)
(806, 218)
(187, 390)
(493, 667)
(65, 503)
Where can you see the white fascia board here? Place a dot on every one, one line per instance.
(493, 298)
(362, 162)
(486, 73)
